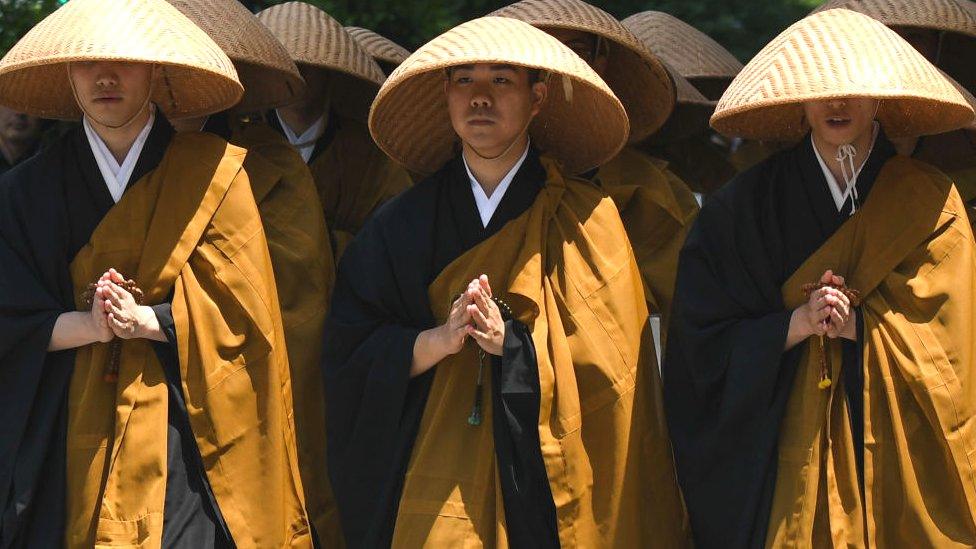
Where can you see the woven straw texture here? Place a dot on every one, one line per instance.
(195, 77)
(686, 49)
(582, 130)
(379, 47)
(954, 16)
(634, 73)
(269, 76)
(838, 53)
(316, 40)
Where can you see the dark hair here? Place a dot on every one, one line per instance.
(535, 75)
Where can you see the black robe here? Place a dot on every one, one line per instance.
(49, 207)
(726, 377)
(379, 306)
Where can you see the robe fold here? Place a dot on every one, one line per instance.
(304, 270)
(353, 177)
(403, 457)
(49, 207)
(189, 233)
(657, 209)
(747, 419)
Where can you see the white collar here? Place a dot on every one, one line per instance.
(115, 175)
(305, 143)
(840, 198)
(487, 205)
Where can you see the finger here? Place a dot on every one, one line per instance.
(479, 318)
(116, 276)
(482, 338)
(837, 320)
(481, 299)
(485, 285)
(838, 280)
(826, 276)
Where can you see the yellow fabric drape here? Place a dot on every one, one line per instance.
(190, 227)
(304, 270)
(910, 252)
(353, 178)
(561, 267)
(657, 210)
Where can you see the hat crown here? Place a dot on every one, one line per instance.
(634, 72)
(379, 47)
(313, 37)
(689, 51)
(956, 16)
(834, 54)
(269, 76)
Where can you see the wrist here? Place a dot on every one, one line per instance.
(147, 326)
(800, 321)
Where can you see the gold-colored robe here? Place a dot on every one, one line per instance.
(304, 269)
(191, 228)
(604, 443)
(353, 177)
(657, 210)
(910, 252)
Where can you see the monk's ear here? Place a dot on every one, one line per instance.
(540, 91)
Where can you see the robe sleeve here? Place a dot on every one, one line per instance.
(370, 398)
(726, 379)
(530, 515)
(33, 389)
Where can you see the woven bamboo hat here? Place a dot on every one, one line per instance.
(382, 49)
(691, 112)
(194, 78)
(314, 39)
(269, 76)
(953, 16)
(832, 54)
(692, 53)
(582, 124)
(634, 73)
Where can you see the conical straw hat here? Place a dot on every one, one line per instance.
(582, 124)
(970, 98)
(953, 16)
(382, 49)
(314, 39)
(269, 76)
(692, 53)
(195, 77)
(690, 115)
(833, 54)
(634, 73)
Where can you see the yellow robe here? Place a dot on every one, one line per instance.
(304, 270)
(191, 227)
(657, 210)
(353, 178)
(561, 268)
(910, 252)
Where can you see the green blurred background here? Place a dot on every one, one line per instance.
(743, 26)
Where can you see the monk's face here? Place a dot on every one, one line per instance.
(584, 44)
(111, 93)
(841, 121)
(17, 127)
(492, 105)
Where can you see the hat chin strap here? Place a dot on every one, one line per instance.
(507, 150)
(74, 92)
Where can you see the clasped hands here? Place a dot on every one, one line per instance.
(473, 314)
(828, 311)
(115, 313)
